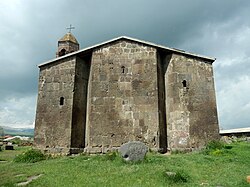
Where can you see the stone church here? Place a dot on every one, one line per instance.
(97, 98)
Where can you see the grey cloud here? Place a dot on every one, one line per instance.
(29, 33)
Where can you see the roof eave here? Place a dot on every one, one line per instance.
(211, 59)
(233, 131)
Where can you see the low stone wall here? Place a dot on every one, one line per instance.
(231, 139)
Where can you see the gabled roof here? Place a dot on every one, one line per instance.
(210, 59)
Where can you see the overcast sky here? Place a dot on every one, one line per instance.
(30, 29)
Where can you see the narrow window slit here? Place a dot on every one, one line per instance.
(61, 100)
(123, 69)
(184, 83)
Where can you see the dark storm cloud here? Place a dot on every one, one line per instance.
(30, 30)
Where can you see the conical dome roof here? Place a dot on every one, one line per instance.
(69, 37)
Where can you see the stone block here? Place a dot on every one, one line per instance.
(133, 151)
(226, 139)
(93, 150)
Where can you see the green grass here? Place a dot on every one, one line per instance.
(192, 169)
(10, 155)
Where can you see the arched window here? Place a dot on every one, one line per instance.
(61, 100)
(62, 52)
(184, 83)
(123, 69)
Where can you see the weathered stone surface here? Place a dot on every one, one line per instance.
(226, 139)
(61, 106)
(191, 112)
(124, 91)
(128, 104)
(133, 151)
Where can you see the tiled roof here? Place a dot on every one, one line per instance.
(68, 37)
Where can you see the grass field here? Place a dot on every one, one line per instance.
(227, 168)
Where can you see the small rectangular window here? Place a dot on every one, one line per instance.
(61, 100)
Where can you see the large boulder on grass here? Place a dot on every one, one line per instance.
(133, 151)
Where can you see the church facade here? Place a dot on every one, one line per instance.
(125, 89)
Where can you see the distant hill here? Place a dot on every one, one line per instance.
(18, 131)
(1, 132)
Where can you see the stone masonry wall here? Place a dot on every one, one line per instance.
(123, 96)
(54, 105)
(125, 91)
(190, 104)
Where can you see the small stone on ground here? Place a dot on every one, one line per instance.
(248, 179)
(29, 180)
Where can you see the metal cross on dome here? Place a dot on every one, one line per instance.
(70, 28)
